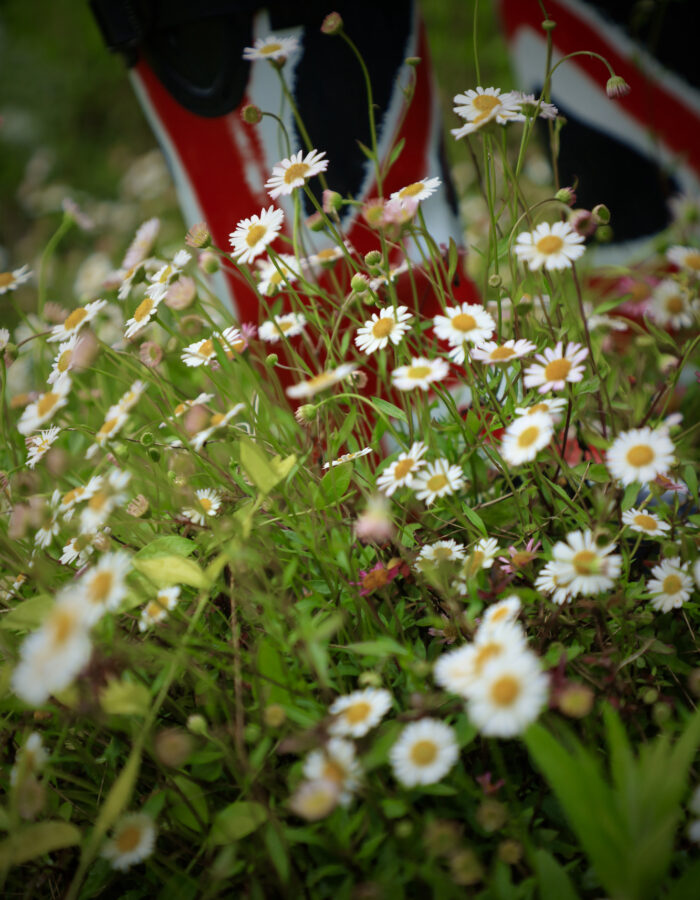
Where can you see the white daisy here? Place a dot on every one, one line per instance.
(508, 695)
(640, 455)
(347, 457)
(10, 281)
(671, 584)
(525, 437)
(553, 407)
(128, 399)
(132, 841)
(553, 581)
(208, 506)
(143, 313)
(584, 567)
(359, 712)
(45, 406)
(110, 428)
(485, 105)
(385, 325)
(556, 367)
(440, 552)
(673, 305)
(424, 753)
(104, 500)
(466, 322)
(687, 258)
(318, 383)
(78, 550)
(204, 351)
(103, 587)
(552, 246)
(275, 275)
(490, 353)
(314, 800)
(284, 325)
(505, 611)
(75, 320)
(79, 494)
(336, 762)
(63, 361)
(181, 408)
(482, 556)
(402, 471)
(327, 257)
(39, 444)
(272, 47)
(458, 669)
(419, 374)
(157, 610)
(254, 234)
(645, 522)
(216, 421)
(4, 338)
(528, 104)
(437, 479)
(50, 525)
(294, 172)
(418, 190)
(390, 277)
(142, 243)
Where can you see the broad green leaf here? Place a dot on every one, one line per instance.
(395, 153)
(36, 840)
(168, 545)
(263, 471)
(552, 879)
(277, 852)
(272, 671)
(629, 497)
(382, 647)
(191, 811)
(389, 409)
(165, 571)
(335, 483)
(28, 614)
(236, 821)
(125, 698)
(475, 519)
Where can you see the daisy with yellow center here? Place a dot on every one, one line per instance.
(75, 320)
(109, 429)
(39, 444)
(314, 800)
(386, 325)
(640, 455)
(492, 354)
(525, 437)
(132, 841)
(359, 712)
(441, 552)
(645, 522)
(457, 670)
(481, 557)
(203, 352)
(321, 382)
(554, 407)
(418, 190)
(336, 762)
(556, 367)
(506, 611)
(128, 399)
(437, 479)
(508, 695)
(109, 496)
(10, 281)
(143, 313)
(424, 753)
(216, 422)
(486, 105)
(63, 361)
(420, 374)
(347, 457)
(686, 258)
(45, 406)
(670, 585)
(402, 471)
(252, 235)
(284, 325)
(103, 587)
(327, 257)
(467, 322)
(673, 305)
(157, 610)
(294, 172)
(208, 506)
(582, 567)
(553, 247)
(272, 47)
(277, 274)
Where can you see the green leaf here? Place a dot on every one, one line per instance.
(452, 260)
(36, 840)
(691, 479)
(335, 483)
(629, 497)
(475, 519)
(236, 821)
(277, 852)
(272, 671)
(28, 614)
(165, 571)
(389, 409)
(553, 880)
(125, 698)
(382, 647)
(395, 153)
(365, 149)
(263, 471)
(192, 811)
(168, 545)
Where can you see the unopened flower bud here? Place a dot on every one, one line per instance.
(198, 236)
(251, 114)
(441, 836)
(617, 87)
(492, 815)
(575, 700)
(566, 195)
(332, 201)
(369, 679)
(466, 868)
(650, 695)
(549, 25)
(661, 713)
(197, 724)
(274, 715)
(315, 222)
(305, 414)
(138, 507)
(147, 438)
(604, 234)
(495, 281)
(601, 214)
(209, 263)
(172, 747)
(271, 360)
(154, 454)
(332, 24)
(403, 829)
(510, 852)
(359, 283)
(373, 258)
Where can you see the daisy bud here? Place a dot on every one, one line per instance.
(147, 439)
(315, 222)
(332, 24)
(305, 414)
(54, 313)
(359, 380)
(154, 454)
(650, 695)
(198, 236)
(549, 25)
(195, 419)
(31, 796)
(582, 222)
(271, 360)
(251, 114)
(138, 507)
(510, 852)
(181, 293)
(373, 212)
(495, 281)
(575, 701)
(373, 258)
(332, 201)
(492, 815)
(369, 679)
(197, 724)
(359, 283)
(190, 326)
(403, 829)
(601, 214)
(209, 263)
(566, 195)
(150, 354)
(274, 715)
(466, 868)
(172, 747)
(441, 836)
(661, 713)
(604, 234)
(617, 87)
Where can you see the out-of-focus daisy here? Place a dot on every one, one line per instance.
(421, 373)
(10, 281)
(132, 841)
(640, 455)
(467, 322)
(284, 325)
(552, 246)
(52, 656)
(485, 105)
(583, 567)
(670, 585)
(129, 398)
(490, 353)
(482, 556)
(686, 258)
(457, 670)
(157, 610)
(529, 105)
(347, 457)
(216, 421)
(106, 498)
(359, 712)
(335, 762)
(103, 587)
(110, 428)
(326, 258)
(45, 407)
(79, 494)
(63, 360)
(314, 800)
(553, 407)
(437, 479)
(4, 338)
(390, 276)
(202, 352)
(318, 383)
(556, 367)
(39, 444)
(75, 320)
(424, 753)
(505, 611)
(272, 47)
(208, 506)
(550, 581)
(645, 522)
(402, 471)
(181, 408)
(518, 559)
(78, 550)
(142, 243)
(508, 695)
(30, 759)
(252, 235)
(418, 190)
(673, 305)
(440, 552)
(389, 324)
(50, 525)
(294, 172)
(275, 275)
(525, 437)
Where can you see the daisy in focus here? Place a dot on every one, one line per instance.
(441, 552)
(640, 455)
(216, 422)
(75, 320)
(556, 367)
(645, 522)
(313, 386)
(252, 235)
(437, 479)
(419, 190)
(359, 712)
(490, 353)
(525, 437)
(484, 105)
(208, 506)
(276, 274)
(38, 445)
(272, 47)
(402, 471)
(673, 305)
(285, 325)
(670, 585)
(468, 322)
(294, 172)
(386, 325)
(132, 841)
(553, 247)
(421, 373)
(424, 753)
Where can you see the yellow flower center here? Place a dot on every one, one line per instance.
(63, 361)
(107, 428)
(442, 553)
(411, 189)
(463, 322)
(502, 353)
(154, 609)
(383, 327)
(216, 419)
(62, 624)
(586, 562)
(423, 753)
(143, 310)
(671, 584)
(499, 614)
(284, 325)
(6, 279)
(485, 103)
(550, 243)
(98, 500)
(505, 690)
(375, 579)
(648, 523)
(100, 586)
(333, 772)
(692, 261)
(179, 409)
(538, 407)
(418, 372)
(320, 381)
(255, 233)
(640, 455)
(206, 349)
(328, 253)
(528, 436)
(295, 171)
(557, 370)
(436, 483)
(206, 504)
(485, 653)
(74, 319)
(675, 304)
(71, 496)
(403, 467)
(47, 402)
(357, 712)
(128, 839)
(270, 48)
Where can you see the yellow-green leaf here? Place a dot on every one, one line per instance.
(165, 571)
(28, 614)
(236, 821)
(36, 840)
(125, 698)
